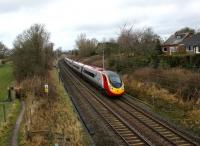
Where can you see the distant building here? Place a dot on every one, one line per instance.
(192, 44)
(174, 44)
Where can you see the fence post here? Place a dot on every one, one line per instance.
(4, 112)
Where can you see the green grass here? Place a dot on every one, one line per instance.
(6, 127)
(12, 108)
(6, 77)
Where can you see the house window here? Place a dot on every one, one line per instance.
(164, 49)
(189, 48)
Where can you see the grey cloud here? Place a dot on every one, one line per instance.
(96, 27)
(107, 27)
(14, 5)
(146, 3)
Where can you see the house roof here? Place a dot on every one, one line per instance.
(176, 38)
(192, 40)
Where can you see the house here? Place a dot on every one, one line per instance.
(174, 44)
(192, 44)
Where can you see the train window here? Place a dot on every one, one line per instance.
(76, 66)
(89, 73)
(115, 80)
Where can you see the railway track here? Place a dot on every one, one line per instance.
(161, 127)
(123, 117)
(119, 125)
(164, 131)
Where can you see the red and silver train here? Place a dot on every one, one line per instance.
(109, 81)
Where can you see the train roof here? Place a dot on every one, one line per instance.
(108, 72)
(98, 69)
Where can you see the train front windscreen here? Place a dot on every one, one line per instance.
(115, 80)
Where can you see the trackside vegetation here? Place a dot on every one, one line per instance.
(49, 117)
(53, 114)
(170, 83)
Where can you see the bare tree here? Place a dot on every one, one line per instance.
(3, 51)
(128, 39)
(137, 42)
(86, 46)
(33, 53)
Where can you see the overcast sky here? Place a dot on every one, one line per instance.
(65, 19)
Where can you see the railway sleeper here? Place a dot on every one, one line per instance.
(161, 130)
(131, 138)
(185, 144)
(125, 132)
(112, 119)
(134, 140)
(119, 130)
(174, 138)
(141, 117)
(180, 142)
(129, 135)
(170, 135)
(147, 120)
(118, 126)
(138, 142)
(113, 122)
(165, 132)
(154, 125)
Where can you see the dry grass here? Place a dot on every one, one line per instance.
(150, 89)
(183, 83)
(144, 84)
(53, 113)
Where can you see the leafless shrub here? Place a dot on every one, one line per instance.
(180, 81)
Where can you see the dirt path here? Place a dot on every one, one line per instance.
(14, 141)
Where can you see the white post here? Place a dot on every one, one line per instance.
(103, 57)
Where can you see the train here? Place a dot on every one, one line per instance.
(107, 81)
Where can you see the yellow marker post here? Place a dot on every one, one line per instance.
(46, 88)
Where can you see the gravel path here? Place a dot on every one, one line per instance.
(15, 131)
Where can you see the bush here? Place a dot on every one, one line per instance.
(186, 61)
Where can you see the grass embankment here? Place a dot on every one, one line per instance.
(54, 113)
(12, 109)
(174, 93)
(6, 77)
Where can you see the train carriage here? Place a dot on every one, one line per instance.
(109, 81)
